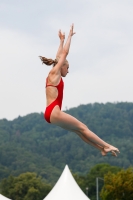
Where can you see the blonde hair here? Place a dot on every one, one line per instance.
(49, 61)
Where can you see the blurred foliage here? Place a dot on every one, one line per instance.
(29, 144)
(89, 180)
(27, 186)
(118, 186)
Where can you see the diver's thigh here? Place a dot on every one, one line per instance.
(65, 120)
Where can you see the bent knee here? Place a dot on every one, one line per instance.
(82, 127)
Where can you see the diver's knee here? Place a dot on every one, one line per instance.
(82, 127)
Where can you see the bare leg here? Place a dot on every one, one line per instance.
(89, 142)
(68, 122)
(104, 150)
(92, 144)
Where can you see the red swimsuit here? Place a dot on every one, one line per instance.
(57, 101)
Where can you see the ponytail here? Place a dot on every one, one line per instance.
(47, 61)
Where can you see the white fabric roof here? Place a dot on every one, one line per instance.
(66, 188)
(3, 197)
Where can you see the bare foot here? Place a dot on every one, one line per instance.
(111, 149)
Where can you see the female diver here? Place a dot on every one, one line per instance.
(54, 96)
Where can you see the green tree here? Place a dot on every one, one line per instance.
(89, 181)
(26, 186)
(118, 186)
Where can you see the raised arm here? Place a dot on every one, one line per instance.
(68, 42)
(62, 38)
(65, 51)
(61, 53)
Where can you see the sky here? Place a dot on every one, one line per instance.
(100, 56)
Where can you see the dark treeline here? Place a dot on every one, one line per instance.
(29, 144)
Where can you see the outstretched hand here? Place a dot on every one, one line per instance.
(61, 35)
(71, 33)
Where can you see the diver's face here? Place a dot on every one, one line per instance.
(64, 69)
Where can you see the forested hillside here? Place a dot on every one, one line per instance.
(29, 144)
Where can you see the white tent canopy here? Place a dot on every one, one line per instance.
(3, 197)
(66, 188)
